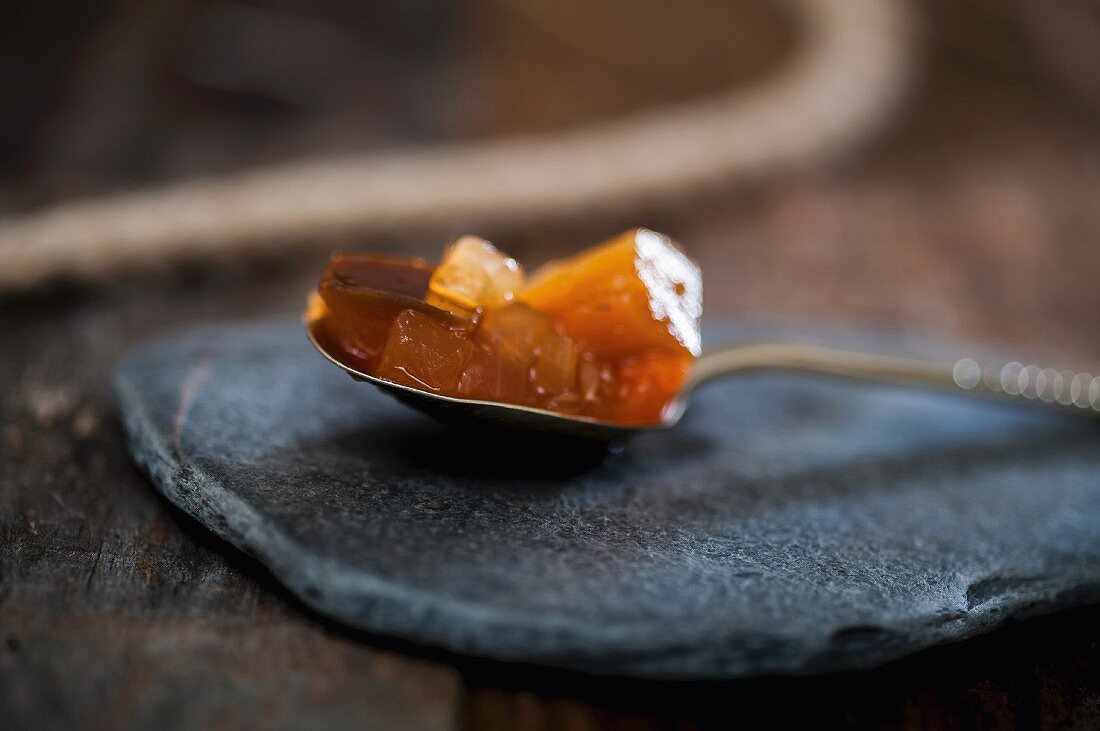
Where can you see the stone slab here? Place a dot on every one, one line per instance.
(788, 525)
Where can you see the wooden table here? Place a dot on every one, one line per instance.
(975, 218)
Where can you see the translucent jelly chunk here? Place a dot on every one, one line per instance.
(357, 300)
(646, 386)
(554, 373)
(473, 276)
(504, 352)
(635, 293)
(425, 352)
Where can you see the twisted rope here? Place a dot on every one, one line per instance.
(844, 81)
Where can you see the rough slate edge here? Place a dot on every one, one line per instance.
(386, 612)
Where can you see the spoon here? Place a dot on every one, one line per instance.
(1013, 381)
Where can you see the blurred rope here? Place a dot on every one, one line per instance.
(849, 73)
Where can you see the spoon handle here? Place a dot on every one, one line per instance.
(1014, 381)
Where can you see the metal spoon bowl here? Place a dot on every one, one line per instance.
(1062, 389)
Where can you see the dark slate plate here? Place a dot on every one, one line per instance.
(788, 525)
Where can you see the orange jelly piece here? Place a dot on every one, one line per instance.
(610, 333)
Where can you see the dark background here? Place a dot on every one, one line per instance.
(973, 215)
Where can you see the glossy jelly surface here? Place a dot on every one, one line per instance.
(610, 333)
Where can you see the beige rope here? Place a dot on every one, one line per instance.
(846, 78)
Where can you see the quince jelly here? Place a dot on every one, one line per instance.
(610, 333)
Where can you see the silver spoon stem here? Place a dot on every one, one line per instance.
(1015, 381)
